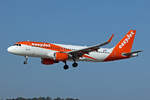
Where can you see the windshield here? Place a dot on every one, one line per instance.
(17, 44)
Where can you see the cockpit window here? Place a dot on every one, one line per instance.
(17, 44)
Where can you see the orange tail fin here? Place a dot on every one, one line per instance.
(124, 46)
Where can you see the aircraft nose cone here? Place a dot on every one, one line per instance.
(10, 49)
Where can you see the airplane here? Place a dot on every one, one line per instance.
(51, 53)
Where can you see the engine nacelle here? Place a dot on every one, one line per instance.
(47, 61)
(58, 56)
(61, 56)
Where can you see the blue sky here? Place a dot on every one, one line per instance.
(78, 22)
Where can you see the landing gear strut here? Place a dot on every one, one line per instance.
(26, 60)
(66, 66)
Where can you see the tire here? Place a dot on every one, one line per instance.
(24, 62)
(75, 64)
(66, 67)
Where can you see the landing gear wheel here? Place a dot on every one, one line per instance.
(25, 62)
(66, 67)
(75, 64)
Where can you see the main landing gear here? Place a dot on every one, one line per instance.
(26, 60)
(67, 67)
(75, 64)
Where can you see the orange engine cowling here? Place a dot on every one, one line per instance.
(61, 56)
(47, 61)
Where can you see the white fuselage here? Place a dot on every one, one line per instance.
(51, 53)
(31, 51)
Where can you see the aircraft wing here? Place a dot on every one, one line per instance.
(80, 52)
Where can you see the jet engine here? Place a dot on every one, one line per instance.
(61, 56)
(58, 56)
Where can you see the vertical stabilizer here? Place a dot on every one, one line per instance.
(124, 46)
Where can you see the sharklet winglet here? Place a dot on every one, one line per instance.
(110, 38)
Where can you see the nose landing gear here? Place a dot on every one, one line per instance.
(26, 60)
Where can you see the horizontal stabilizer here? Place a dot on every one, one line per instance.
(132, 54)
